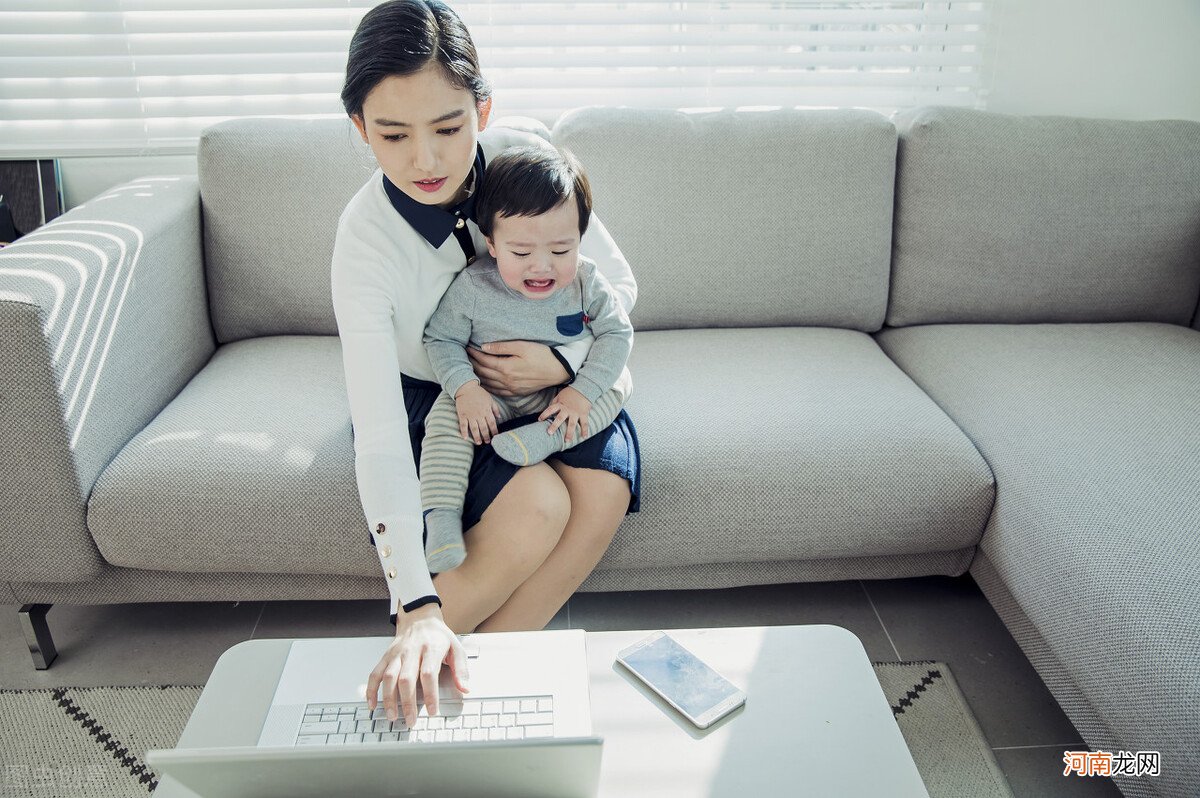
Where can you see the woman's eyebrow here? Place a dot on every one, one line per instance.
(443, 118)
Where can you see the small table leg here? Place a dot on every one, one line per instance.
(37, 634)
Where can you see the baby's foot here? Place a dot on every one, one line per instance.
(530, 444)
(443, 540)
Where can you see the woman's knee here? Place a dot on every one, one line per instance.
(533, 508)
(546, 501)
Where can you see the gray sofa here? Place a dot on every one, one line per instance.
(954, 340)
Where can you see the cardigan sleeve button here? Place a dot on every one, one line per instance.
(386, 551)
(379, 530)
(459, 224)
(391, 573)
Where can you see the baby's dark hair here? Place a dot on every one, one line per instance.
(529, 181)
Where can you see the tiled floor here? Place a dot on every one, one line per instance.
(940, 618)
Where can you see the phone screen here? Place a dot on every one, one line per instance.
(679, 674)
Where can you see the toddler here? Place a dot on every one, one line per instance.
(533, 285)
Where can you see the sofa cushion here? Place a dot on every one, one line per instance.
(271, 192)
(1044, 219)
(812, 445)
(1093, 432)
(791, 444)
(745, 219)
(249, 469)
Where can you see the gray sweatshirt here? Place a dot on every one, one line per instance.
(479, 308)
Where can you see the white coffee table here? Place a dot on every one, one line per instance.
(815, 709)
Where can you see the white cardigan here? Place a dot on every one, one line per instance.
(387, 280)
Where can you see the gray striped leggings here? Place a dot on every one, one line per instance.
(446, 455)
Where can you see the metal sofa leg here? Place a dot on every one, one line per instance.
(37, 634)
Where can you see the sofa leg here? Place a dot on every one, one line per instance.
(37, 634)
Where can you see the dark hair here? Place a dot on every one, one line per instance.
(529, 181)
(399, 38)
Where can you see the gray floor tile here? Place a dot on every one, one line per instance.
(948, 619)
(1037, 773)
(561, 619)
(338, 619)
(127, 644)
(840, 603)
(367, 618)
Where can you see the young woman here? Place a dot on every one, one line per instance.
(416, 96)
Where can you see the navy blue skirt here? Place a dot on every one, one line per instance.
(615, 449)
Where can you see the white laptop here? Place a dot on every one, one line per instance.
(522, 729)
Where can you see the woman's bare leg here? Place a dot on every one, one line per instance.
(512, 539)
(598, 501)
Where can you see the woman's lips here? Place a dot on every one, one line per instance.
(431, 185)
(539, 286)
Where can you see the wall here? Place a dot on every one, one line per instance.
(1099, 58)
(1096, 58)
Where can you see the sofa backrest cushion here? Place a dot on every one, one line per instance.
(744, 219)
(1006, 219)
(271, 192)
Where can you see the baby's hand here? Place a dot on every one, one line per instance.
(477, 413)
(572, 409)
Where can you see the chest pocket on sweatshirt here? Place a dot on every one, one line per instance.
(571, 324)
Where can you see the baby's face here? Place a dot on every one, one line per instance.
(537, 255)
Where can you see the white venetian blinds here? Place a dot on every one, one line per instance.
(134, 76)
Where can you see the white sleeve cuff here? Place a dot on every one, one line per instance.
(402, 556)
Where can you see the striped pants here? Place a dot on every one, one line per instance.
(446, 455)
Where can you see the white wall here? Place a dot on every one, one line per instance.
(1098, 58)
(84, 178)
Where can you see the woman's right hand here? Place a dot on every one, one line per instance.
(423, 642)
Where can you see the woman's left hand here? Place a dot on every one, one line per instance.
(516, 368)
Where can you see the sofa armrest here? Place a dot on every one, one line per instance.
(104, 319)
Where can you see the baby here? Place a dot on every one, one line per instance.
(533, 285)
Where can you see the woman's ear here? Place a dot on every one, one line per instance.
(361, 127)
(485, 110)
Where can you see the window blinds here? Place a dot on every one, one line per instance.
(132, 76)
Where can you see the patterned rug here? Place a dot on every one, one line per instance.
(73, 741)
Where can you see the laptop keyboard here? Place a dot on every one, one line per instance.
(468, 720)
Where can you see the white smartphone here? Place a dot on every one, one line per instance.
(683, 680)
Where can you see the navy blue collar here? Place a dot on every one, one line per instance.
(433, 223)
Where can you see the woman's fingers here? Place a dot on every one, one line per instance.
(457, 659)
(390, 676)
(373, 682)
(406, 688)
(429, 682)
(488, 368)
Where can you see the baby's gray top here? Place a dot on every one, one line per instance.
(479, 308)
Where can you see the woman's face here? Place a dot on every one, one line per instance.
(423, 132)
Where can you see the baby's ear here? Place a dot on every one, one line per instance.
(491, 246)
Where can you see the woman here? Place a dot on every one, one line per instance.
(415, 94)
